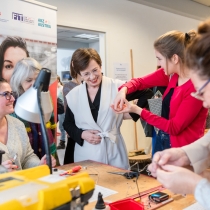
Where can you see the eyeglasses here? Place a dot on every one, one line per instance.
(198, 94)
(86, 75)
(8, 95)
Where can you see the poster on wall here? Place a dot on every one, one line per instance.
(34, 27)
(36, 24)
(121, 71)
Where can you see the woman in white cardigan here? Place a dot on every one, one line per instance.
(167, 166)
(89, 119)
(13, 136)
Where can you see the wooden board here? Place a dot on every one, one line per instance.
(127, 187)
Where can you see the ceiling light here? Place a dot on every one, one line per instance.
(86, 36)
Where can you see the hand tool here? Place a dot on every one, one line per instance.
(14, 158)
(73, 170)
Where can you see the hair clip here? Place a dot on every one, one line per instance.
(187, 36)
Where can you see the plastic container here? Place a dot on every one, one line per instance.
(127, 204)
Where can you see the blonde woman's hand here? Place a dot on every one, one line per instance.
(43, 161)
(8, 164)
(178, 179)
(119, 99)
(173, 156)
(91, 136)
(127, 108)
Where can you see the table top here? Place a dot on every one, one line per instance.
(126, 187)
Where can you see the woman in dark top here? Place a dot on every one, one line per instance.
(89, 120)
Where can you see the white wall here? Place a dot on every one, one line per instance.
(64, 53)
(127, 26)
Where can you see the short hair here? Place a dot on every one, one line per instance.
(198, 53)
(23, 69)
(81, 59)
(11, 41)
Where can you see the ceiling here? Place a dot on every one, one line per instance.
(68, 34)
(188, 8)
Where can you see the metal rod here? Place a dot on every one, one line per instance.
(43, 129)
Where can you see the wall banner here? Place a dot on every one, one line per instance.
(36, 24)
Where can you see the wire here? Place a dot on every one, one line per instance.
(143, 168)
(152, 200)
(138, 174)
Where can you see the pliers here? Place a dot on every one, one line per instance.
(128, 175)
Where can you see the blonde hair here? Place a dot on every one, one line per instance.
(174, 42)
(23, 69)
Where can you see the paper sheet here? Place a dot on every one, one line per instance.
(103, 190)
(195, 206)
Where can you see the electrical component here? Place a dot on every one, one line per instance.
(158, 197)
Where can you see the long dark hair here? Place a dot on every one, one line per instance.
(11, 41)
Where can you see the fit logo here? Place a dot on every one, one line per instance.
(22, 18)
(17, 16)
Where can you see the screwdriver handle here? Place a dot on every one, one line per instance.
(75, 169)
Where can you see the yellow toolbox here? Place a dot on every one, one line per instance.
(37, 189)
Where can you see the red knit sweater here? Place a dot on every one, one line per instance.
(187, 117)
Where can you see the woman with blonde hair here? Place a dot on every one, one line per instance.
(182, 120)
(23, 77)
(169, 165)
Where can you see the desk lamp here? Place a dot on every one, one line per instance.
(35, 106)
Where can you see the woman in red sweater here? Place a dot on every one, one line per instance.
(183, 118)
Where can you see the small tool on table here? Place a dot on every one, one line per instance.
(14, 158)
(73, 170)
(128, 175)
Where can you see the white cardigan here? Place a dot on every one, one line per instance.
(18, 143)
(112, 149)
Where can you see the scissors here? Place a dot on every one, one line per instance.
(128, 175)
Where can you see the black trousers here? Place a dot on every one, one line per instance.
(69, 153)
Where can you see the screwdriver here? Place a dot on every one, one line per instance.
(73, 170)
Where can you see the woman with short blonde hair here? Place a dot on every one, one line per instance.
(23, 77)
